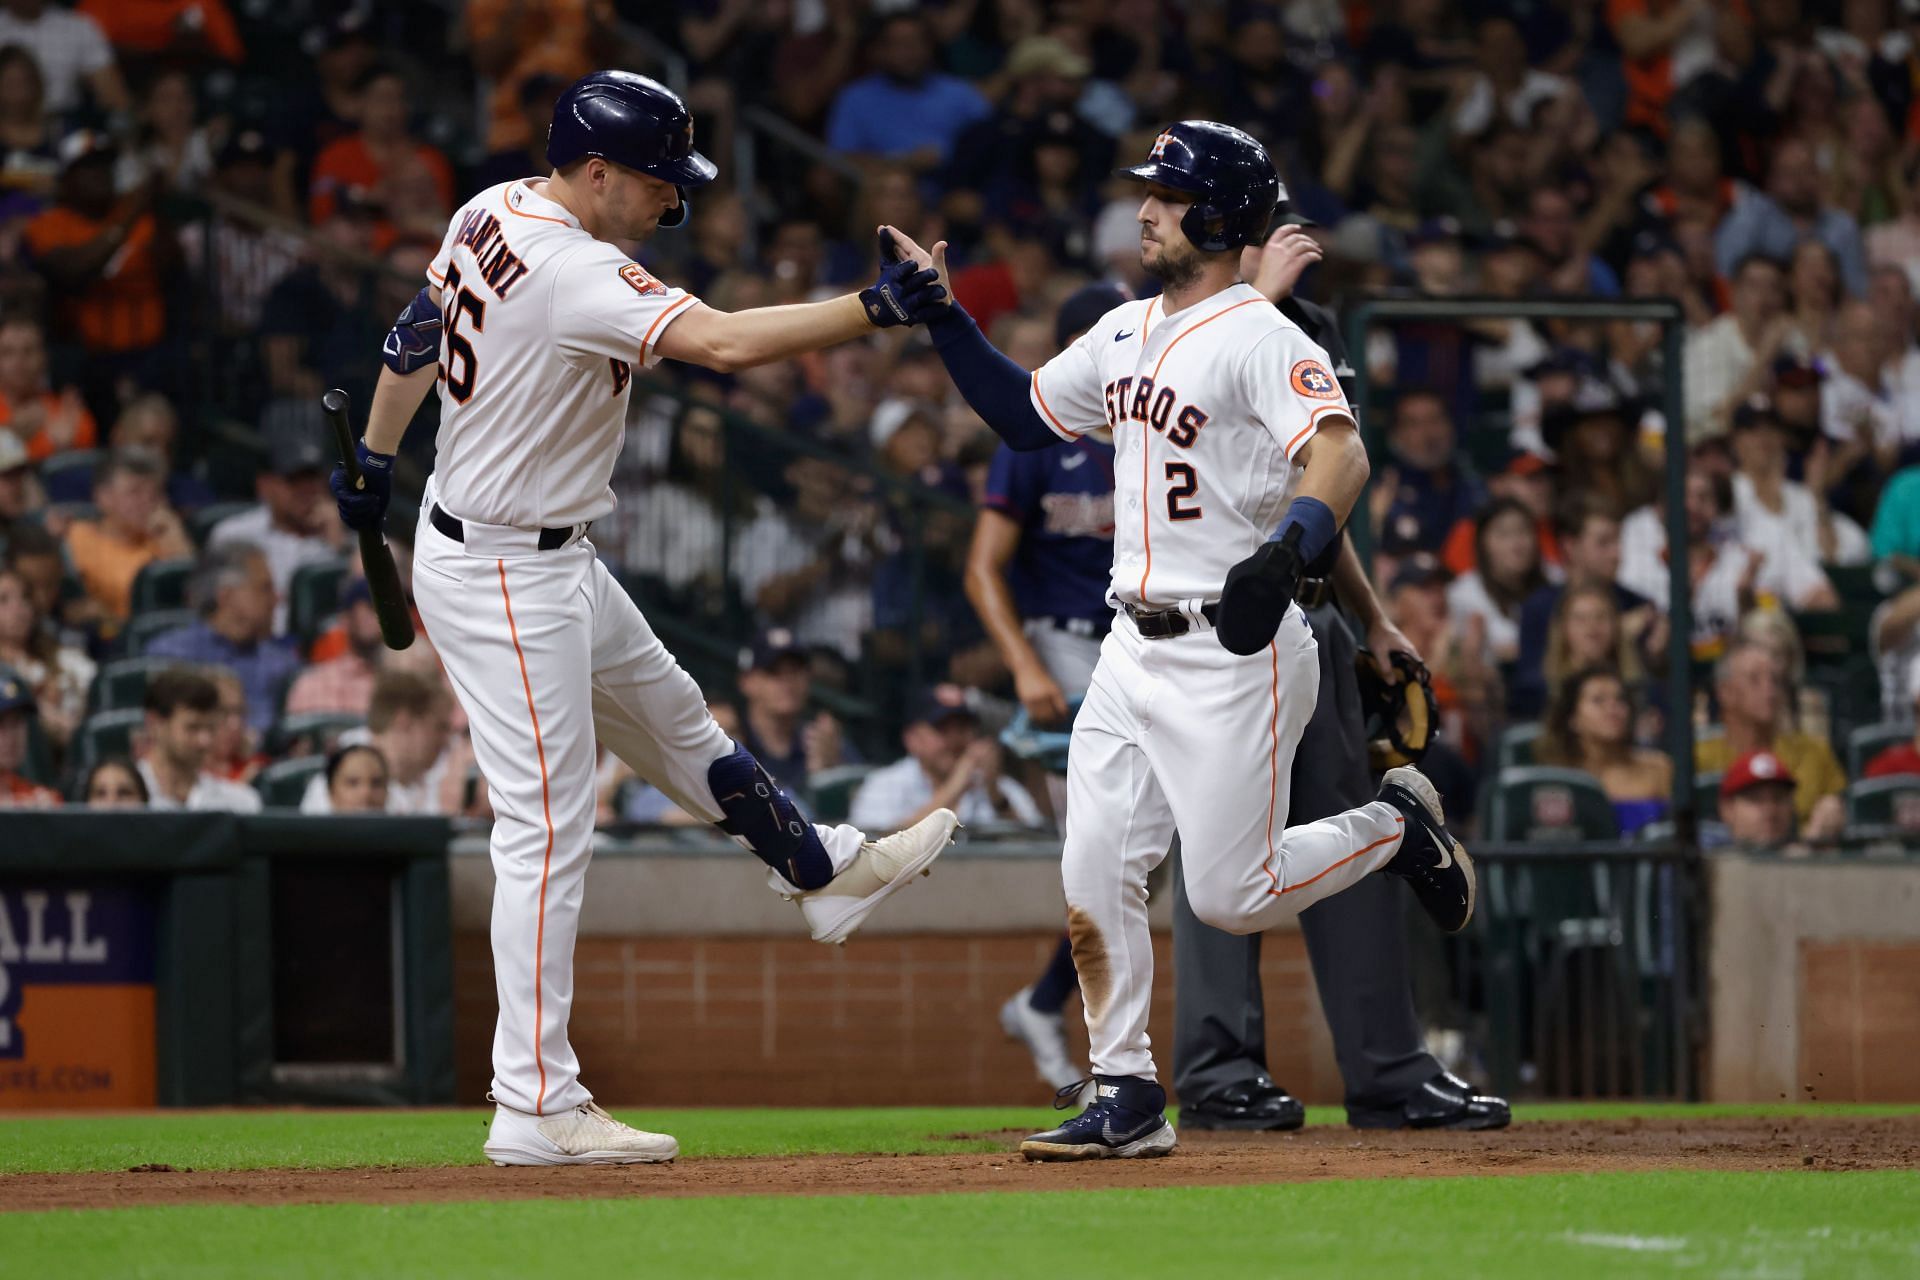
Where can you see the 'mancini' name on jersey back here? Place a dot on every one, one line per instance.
(543, 326)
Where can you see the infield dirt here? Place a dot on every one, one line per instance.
(1819, 1143)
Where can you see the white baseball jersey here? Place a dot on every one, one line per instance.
(1209, 407)
(543, 327)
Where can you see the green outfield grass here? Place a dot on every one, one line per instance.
(1680, 1224)
(351, 1139)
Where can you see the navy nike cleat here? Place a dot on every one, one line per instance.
(1124, 1120)
(1429, 858)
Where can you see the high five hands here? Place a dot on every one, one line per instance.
(929, 293)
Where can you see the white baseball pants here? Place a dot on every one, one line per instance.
(1179, 734)
(545, 650)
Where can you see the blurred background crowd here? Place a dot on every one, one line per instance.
(210, 210)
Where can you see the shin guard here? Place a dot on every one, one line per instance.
(764, 820)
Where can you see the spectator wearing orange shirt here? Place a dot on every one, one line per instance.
(179, 30)
(106, 259)
(385, 165)
(515, 39)
(1651, 33)
(45, 420)
(136, 527)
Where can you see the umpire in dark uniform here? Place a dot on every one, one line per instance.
(1357, 940)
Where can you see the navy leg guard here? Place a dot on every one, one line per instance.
(764, 819)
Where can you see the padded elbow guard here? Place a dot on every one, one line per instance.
(414, 341)
(763, 819)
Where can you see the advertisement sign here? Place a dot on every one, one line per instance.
(76, 996)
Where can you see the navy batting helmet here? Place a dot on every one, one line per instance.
(1232, 182)
(632, 121)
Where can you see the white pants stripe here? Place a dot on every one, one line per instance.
(1179, 734)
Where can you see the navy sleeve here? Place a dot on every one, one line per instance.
(1015, 482)
(994, 387)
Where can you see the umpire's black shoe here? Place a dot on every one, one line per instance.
(1253, 1104)
(1444, 1102)
(1429, 858)
(1125, 1119)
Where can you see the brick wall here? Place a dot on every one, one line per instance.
(884, 1021)
(1859, 1021)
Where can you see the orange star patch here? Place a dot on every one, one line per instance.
(1311, 379)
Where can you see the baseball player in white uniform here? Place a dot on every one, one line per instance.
(534, 324)
(1227, 423)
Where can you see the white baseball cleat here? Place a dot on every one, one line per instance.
(583, 1135)
(1044, 1035)
(837, 908)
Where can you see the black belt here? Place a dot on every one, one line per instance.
(550, 539)
(1163, 624)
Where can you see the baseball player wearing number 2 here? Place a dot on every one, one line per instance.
(1227, 423)
(535, 325)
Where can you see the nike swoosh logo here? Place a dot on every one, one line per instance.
(1446, 857)
(1068, 464)
(1113, 1139)
(1124, 333)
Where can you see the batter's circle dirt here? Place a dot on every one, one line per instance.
(1204, 1159)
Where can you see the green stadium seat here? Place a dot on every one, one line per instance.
(314, 596)
(143, 627)
(281, 785)
(1869, 740)
(310, 732)
(1516, 745)
(1885, 803)
(1538, 803)
(833, 790)
(105, 733)
(200, 524)
(162, 584)
(121, 685)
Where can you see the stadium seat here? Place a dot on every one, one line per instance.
(121, 685)
(309, 732)
(162, 584)
(1885, 804)
(282, 784)
(1869, 740)
(313, 597)
(200, 524)
(1539, 803)
(105, 733)
(833, 790)
(143, 627)
(68, 475)
(1516, 745)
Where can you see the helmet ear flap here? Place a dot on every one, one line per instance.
(1204, 227)
(678, 214)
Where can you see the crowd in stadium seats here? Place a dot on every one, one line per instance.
(210, 210)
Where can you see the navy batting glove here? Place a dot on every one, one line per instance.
(899, 293)
(364, 507)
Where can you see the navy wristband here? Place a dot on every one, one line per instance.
(1317, 526)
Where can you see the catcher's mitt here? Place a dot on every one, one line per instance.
(1401, 717)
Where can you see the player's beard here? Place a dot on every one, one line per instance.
(1174, 270)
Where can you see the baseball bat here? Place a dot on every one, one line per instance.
(383, 580)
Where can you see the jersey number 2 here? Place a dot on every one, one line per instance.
(1181, 483)
(465, 307)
